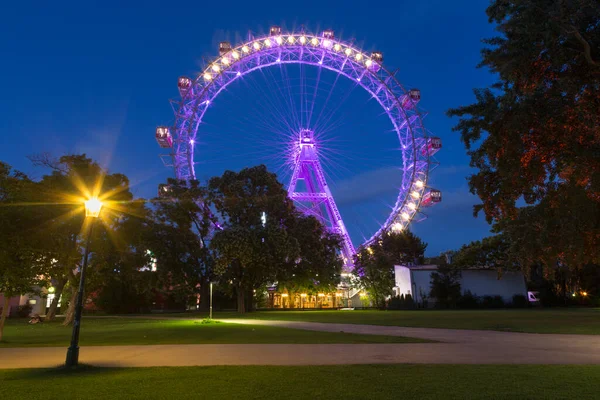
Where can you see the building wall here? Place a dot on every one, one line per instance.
(486, 283)
(417, 282)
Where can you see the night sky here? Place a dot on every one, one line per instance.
(96, 77)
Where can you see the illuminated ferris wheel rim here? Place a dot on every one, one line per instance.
(320, 51)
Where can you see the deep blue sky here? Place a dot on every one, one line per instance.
(95, 77)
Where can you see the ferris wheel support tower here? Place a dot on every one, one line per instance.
(316, 198)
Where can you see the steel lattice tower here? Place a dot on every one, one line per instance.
(314, 197)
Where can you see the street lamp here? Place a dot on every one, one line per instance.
(92, 210)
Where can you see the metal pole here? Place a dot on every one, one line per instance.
(73, 352)
(210, 312)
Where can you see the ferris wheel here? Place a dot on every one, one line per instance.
(308, 184)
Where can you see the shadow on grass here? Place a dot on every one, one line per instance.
(82, 370)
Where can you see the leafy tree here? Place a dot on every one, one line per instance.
(319, 266)
(374, 265)
(535, 135)
(20, 268)
(178, 238)
(491, 252)
(60, 236)
(250, 251)
(445, 286)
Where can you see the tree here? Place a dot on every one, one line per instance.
(445, 286)
(535, 135)
(20, 267)
(249, 251)
(319, 266)
(374, 265)
(60, 237)
(178, 237)
(491, 252)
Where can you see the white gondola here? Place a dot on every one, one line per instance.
(328, 34)
(432, 146)
(224, 48)
(275, 31)
(410, 99)
(184, 84)
(163, 137)
(431, 197)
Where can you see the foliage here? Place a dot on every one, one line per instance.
(401, 302)
(249, 252)
(62, 226)
(520, 301)
(468, 300)
(178, 238)
(21, 266)
(492, 302)
(374, 265)
(490, 252)
(445, 286)
(535, 135)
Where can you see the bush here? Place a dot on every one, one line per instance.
(520, 301)
(468, 300)
(492, 302)
(24, 311)
(401, 302)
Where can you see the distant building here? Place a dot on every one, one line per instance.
(480, 281)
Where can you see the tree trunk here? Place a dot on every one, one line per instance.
(4, 315)
(58, 289)
(250, 300)
(70, 314)
(241, 306)
(204, 295)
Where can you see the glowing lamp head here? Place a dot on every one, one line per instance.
(348, 51)
(412, 206)
(337, 47)
(235, 55)
(216, 68)
(279, 40)
(256, 45)
(225, 61)
(245, 49)
(207, 76)
(397, 227)
(267, 43)
(314, 41)
(358, 57)
(584, 294)
(51, 289)
(368, 63)
(321, 295)
(415, 194)
(405, 216)
(290, 39)
(327, 43)
(302, 39)
(419, 184)
(93, 207)
(284, 295)
(303, 295)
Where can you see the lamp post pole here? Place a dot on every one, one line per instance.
(73, 351)
(210, 310)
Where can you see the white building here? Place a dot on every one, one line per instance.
(416, 281)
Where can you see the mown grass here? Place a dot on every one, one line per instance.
(307, 382)
(137, 331)
(558, 320)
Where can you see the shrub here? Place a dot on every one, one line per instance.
(24, 311)
(468, 300)
(520, 301)
(492, 302)
(401, 302)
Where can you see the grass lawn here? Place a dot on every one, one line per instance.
(558, 320)
(316, 382)
(128, 331)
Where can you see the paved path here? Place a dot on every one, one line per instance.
(458, 347)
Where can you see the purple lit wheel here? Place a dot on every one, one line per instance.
(331, 54)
